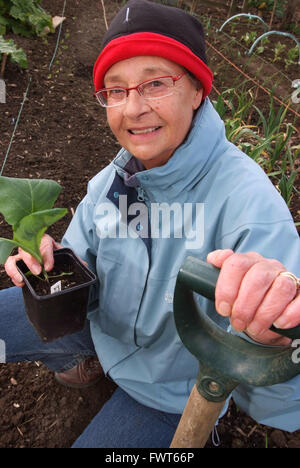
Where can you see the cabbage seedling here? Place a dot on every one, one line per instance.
(27, 205)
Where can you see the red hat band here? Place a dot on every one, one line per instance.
(153, 44)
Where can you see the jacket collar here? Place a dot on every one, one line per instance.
(205, 142)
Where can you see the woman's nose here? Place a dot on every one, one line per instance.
(135, 104)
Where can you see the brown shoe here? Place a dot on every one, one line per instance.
(83, 375)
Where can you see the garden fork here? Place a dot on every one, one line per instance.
(225, 360)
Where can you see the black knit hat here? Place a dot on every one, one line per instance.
(143, 27)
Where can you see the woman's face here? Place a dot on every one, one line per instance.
(151, 130)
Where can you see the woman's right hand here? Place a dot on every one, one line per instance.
(47, 246)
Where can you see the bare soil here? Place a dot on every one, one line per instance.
(63, 135)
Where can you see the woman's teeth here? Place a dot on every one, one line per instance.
(146, 130)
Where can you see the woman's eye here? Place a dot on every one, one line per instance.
(115, 92)
(156, 83)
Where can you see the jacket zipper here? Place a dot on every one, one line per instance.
(142, 196)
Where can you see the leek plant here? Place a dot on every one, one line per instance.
(268, 142)
(234, 107)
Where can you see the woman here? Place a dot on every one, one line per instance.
(177, 187)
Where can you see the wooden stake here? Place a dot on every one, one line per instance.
(3, 64)
(197, 421)
(272, 15)
(104, 14)
(232, 8)
(193, 6)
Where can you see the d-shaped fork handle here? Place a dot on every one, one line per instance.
(225, 360)
(202, 278)
(222, 355)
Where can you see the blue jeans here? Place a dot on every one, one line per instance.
(122, 422)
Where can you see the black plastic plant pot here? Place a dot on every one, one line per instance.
(60, 313)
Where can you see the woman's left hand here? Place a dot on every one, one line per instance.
(253, 294)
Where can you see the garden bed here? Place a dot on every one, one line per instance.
(63, 135)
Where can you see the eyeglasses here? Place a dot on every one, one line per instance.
(152, 89)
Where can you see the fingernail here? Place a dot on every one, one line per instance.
(282, 322)
(224, 309)
(212, 255)
(282, 342)
(254, 330)
(18, 279)
(36, 269)
(239, 325)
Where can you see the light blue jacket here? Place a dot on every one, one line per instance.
(131, 314)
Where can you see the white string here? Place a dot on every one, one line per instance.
(58, 36)
(15, 128)
(215, 438)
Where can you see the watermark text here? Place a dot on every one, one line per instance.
(158, 221)
(296, 353)
(2, 352)
(296, 93)
(2, 92)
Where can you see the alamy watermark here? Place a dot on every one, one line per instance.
(160, 220)
(2, 352)
(296, 93)
(2, 92)
(296, 353)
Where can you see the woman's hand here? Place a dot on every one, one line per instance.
(253, 294)
(47, 246)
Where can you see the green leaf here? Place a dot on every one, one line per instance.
(21, 29)
(286, 186)
(4, 6)
(6, 247)
(9, 48)
(26, 205)
(22, 197)
(29, 232)
(29, 12)
(4, 21)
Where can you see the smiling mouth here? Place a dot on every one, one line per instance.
(144, 130)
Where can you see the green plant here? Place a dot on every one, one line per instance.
(25, 17)
(286, 186)
(279, 49)
(275, 138)
(249, 37)
(293, 28)
(280, 146)
(268, 142)
(288, 174)
(233, 107)
(266, 440)
(260, 49)
(27, 205)
(274, 120)
(268, 5)
(9, 48)
(292, 57)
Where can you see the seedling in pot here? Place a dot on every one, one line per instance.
(27, 205)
